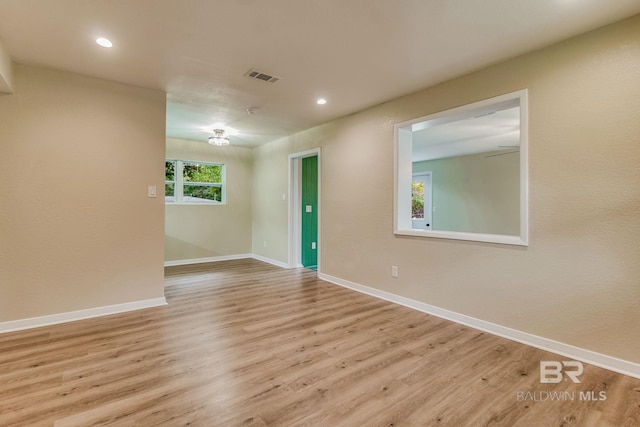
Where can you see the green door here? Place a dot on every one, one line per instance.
(309, 186)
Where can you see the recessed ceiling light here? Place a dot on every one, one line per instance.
(104, 42)
(321, 101)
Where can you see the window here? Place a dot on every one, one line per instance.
(462, 173)
(194, 182)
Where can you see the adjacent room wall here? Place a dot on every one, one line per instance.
(210, 231)
(577, 281)
(77, 230)
(477, 193)
(270, 232)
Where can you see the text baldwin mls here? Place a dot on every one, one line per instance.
(552, 372)
(544, 396)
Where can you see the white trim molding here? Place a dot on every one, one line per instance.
(403, 168)
(611, 363)
(225, 258)
(270, 261)
(204, 260)
(72, 316)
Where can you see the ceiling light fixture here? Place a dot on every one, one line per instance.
(219, 138)
(104, 42)
(229, 131)
(321, 101)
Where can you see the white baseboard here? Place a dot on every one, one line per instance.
(611, 363)
(72, 316)
(203, 260)
(54, 319)
(270, 261)
(225, 258)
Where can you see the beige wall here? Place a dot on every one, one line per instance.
(270, 221)
(204, 231)
(477, 193)
(77, 230)
(578, 281)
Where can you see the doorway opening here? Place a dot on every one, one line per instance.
(304, 209)
(422, 201)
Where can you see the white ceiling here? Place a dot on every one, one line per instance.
(495, 131)
(355, 53)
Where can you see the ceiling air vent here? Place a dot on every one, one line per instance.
(255, 74)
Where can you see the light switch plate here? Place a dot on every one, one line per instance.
(152, 191)
(309, 208)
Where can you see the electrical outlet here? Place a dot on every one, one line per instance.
(394, 271)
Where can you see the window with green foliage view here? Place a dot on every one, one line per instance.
(194, 182)
(417, 200)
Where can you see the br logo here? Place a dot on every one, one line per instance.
(552, 372)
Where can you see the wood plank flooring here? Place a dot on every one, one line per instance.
(244, 343)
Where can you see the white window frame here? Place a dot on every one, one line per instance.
(402, 224)
(179, 184)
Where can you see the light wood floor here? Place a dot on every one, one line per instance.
(243, 343)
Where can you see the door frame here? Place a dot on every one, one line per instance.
(429, 198)
(295, 207)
